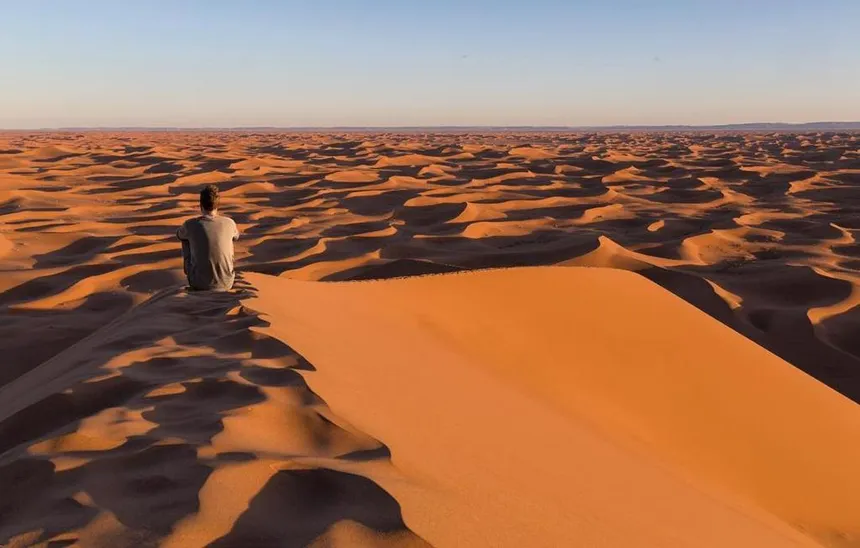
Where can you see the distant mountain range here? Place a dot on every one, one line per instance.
(753, 126)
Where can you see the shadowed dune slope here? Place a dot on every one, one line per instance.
(575, 406)
(178, 424)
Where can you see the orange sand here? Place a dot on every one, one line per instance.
(541, 406)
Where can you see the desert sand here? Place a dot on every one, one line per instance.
(673, 362)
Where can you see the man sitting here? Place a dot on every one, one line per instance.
(207, 245)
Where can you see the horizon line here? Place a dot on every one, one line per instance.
(843, 125)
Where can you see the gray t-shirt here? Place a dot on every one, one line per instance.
(207, 248)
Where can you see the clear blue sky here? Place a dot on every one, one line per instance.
(426, 62)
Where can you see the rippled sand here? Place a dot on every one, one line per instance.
(132, 412)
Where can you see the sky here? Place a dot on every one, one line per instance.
(295, 63)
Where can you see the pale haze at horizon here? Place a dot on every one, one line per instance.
(195, 63)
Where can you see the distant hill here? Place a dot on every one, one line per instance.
(753, 126)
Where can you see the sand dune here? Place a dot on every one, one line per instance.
(549, 406)
(484, 368)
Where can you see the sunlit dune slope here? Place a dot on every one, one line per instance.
(575, 407)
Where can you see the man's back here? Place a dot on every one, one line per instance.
(207, 243)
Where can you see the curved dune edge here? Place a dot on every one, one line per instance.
(574, 406)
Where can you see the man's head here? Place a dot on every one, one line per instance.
(209, 199)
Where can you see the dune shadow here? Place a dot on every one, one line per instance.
(776, 318)
(298, 506)
(31, 337)
(152, 480)
(81, 250)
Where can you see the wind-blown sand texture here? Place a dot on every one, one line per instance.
(544, 406)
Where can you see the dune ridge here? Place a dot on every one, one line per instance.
(131, 412)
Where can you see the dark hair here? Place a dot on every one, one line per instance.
(209, 198)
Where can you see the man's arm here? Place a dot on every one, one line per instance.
(182, 234)
(235, 230)
(186, 257)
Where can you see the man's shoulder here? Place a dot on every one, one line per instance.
(226, 220)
